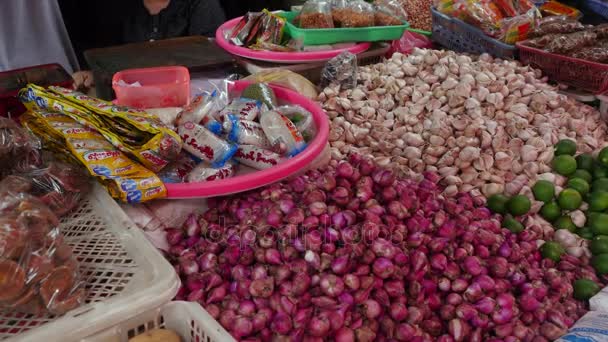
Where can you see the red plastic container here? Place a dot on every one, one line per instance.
(577, 73)
(160, 87)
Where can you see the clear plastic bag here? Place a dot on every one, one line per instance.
(302, 119)
(18, 148)
(342, 70)
(358, 13)
(517, 28)
(601, 31)
(176, 172)
(569, 42)
(408, 42)
(389, 13)
(315, 14)
(597, 54)
(287, 79)
(38, 272)
(557, 24)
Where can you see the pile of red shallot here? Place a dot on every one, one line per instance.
(352, 253)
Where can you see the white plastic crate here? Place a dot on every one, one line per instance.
(189, 320)
(125, 275)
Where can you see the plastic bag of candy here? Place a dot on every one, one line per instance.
(38, 272)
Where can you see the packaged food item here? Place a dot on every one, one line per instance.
(167, 115)
(569, 42)
(552, 7)
(542, 41)
(507, 7)
(59, 185)
(256, 157)
(517, 28)
(601, 31)
(282, 133)
(266, 46)
(136, 133)
(245, 132)
(485, 15)
(556, 24)
(245, 108)
(389, 13)
(339, 10)
(125, 179)
(18, 148)
(593, 326)
(243, 30)
(261, 92)
(205, 145)
(597, 54)
(177, 171)
(212, 124)
(302, 118)
(315, 14)
(523, 6)
(287, 79)
(358, 13)
(205, 173)
(38, 272)
(199, 108)
(273, 27)
(341, 69)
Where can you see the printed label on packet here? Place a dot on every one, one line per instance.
(257, 158)
(293, 130)
(205, 173)
(205, 145)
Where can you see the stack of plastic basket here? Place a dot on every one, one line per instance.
(125, 276)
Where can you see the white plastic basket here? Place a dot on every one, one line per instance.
(189, 320)
(125, 275)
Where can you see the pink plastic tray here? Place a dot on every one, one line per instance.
(260, 178)
(280, 57)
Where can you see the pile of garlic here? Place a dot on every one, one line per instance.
(483, 124)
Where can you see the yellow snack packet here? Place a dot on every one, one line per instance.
(136, 133)
(124, 178)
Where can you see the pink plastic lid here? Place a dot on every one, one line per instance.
(264, 177)
(280, 57)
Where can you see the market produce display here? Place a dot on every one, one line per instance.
(483, 124)
(38, 271)
(352, 252)
(418, 13)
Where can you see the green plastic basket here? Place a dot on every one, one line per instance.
(422, 32)
(342, 35)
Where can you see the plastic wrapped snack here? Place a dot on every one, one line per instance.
(18, 148)
(517, 28)
(176, 172)
(261, 92)
(342, 70)
(569, 42)
(205, 173)
(205, 145)
(302, 118)
(315, 14)
(358, 13)
(287, 79)
(273, 27)
(59, 185)
(339, 9)
(125, 179)
(389, 13)
(141, 135)
(282, 133)
(592, 53)
(245, 132)
(552, 7)
(200, 107)
(542, 41)
(256, 157)
(601, 31)
(38, 272)
(245, 108)
(243, 30)
(556, 24)
(485, 15)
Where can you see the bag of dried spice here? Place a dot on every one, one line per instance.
(315, 14)
(389, 13)
(339, 10)
(358, 14)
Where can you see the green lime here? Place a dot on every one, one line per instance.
(564, 222)
(585, 161)
(598, 201)
(585, 289)
(600, 263)
(598, 223)
(582, 174)
(569, 199)
(543, 191)
(579, 185)
(600, 184)
(599, 171)
(602, 157)
(564, 165)
(552, 250)
(518, 205)
(565, 146)
(498, 203)
(550, 211)
(599, 244)
(512, 224)
(585, 233)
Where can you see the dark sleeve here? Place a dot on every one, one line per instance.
(206, 16)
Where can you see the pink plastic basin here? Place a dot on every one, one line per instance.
(160, 87)
(264, 177)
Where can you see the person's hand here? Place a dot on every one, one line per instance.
(83, 79)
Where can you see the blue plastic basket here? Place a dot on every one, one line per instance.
(597, 6)
(455, 34)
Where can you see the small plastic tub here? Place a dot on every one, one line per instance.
(159, 87)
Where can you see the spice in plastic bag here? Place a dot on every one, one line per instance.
(601, 31)
(315, 14)
(569, 42)
(342, 70)
(597, 54)
(389, 13)
(358, 13)
(38, 271)
(556, 24)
